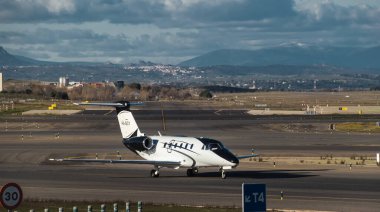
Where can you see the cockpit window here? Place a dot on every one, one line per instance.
(211, 144)
(214, 147)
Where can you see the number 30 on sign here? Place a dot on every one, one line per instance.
(11, 196)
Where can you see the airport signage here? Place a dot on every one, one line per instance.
(253, 197)
(10, 196)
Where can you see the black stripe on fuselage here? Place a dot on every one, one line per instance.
(194, 162)
(181, 145)
(221, 152)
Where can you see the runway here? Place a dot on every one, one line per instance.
(319, 187)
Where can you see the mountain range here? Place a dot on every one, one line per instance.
(292, 55)
(296, 55)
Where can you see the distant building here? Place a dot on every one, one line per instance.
(63, 82)
(253, 85)
(1, 81)
(96, 84)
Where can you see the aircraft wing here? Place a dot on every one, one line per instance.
(110, 104)
(247, 156)
(150, 162)
(99, 104)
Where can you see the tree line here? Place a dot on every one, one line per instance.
(107, 92)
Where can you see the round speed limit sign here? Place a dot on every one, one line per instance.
(11, 196)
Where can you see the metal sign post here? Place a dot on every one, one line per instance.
(10, 196)
(254, 197)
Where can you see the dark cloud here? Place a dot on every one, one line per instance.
(230, 13)
(233, 11)
(70, 11)
(31, 11)
(186, 28)
(330, 16)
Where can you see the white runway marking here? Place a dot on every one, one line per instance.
(217, 112)
(109, 112)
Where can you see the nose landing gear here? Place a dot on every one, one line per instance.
(222, 171)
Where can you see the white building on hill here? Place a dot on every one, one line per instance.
(63, 82)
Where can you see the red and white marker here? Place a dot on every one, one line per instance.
(10, 196)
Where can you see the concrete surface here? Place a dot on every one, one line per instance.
(305, 186)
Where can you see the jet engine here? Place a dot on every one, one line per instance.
(139, 143)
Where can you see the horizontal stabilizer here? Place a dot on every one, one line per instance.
(247, 156)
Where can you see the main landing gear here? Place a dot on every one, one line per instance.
(155, 173)
(192, 172)
(189, 173)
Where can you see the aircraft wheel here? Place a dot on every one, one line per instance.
(195, 170)
(190, 173)
(154, 173)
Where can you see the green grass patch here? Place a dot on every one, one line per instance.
(18, 108)
(365, 127)
(53, 205)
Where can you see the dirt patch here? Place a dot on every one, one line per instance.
(294, 127)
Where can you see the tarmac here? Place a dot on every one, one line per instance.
(28, 142)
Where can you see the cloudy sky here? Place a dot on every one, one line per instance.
(169, 31)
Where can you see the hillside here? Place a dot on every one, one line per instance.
(9, 60)
(348, 57)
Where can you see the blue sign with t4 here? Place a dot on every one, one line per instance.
(254, 197)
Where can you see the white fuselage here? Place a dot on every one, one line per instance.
(189, 151)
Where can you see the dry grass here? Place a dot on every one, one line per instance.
(299, 100)
(323, 160)
(18, 108)
(365, 127)
(273, 100)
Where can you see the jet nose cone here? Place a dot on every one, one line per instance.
(235, 161)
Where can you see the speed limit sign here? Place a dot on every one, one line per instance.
(11, 196)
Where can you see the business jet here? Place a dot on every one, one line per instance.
(166, 151)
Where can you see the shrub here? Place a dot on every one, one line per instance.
(28, 91)
(205, 94)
